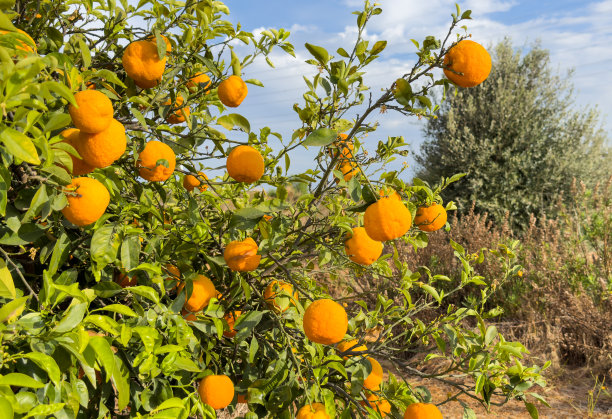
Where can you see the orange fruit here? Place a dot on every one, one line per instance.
(103, 148)
(23, 46)
(278, 295)
(150, 164)
(217, 391)
(94, 112)
(241, 256)
(348, 170)
(203, 291)
(373, 380)
(382, 406)
(422, 411)
(390, 193)
(79, 166)
(200, 80)
(232, 91)
(190, 182)
(87, 201)
(387, 219)
(471, 60)
(325, 321)
(175, 274)
(430, 218)
(179, 115)
(245, 164)
(231, 318)
(126, 281)
(361, 249)
(350, 345)
(312, 411)
(142, 63)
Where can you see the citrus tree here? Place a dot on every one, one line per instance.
(136, 281)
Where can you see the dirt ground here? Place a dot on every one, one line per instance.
(567, 397)
(567, 400)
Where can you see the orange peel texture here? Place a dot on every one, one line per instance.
(387, 219)
(203, 291)
(142, 63)
(179, 115)
(361, 249)
(422, 411)
(312, 411)
(278, 295)
(325, 321)
(79, 166)
(103, 148)
(94, 112)
(87, 201)
(232, 91)
(430, 218)
(245, 164)
(217, 391)
(241, 256)
(148, 159)
(471, 60)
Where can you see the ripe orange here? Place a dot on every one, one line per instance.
(387, 219)
(79, 166)
(126, 281)
(325, 321)
(245, 164)
(190, 182)
(203, 291)
(179, 115)
(142, 63)
(430, 218)
(87, 201)
(382, 406)
(312, 411)
(471, 60)
(22, 46)
(103, 148)
(188, 315)
(217, 391)
(232, 91)
(373, 380)
(278, 295)
(351, 345)
(150, 164)
(422, 411)
(361, 249)
(200, 80)
(241, 256)
(231, 318)
(94, 112)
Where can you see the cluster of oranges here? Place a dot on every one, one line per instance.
(100, 140)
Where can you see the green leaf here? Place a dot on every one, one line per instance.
(118, 308)
(130, 252)
(7, 286)
(11, 310)
(532, 409)
(19, 380)
(71, 319)
(254, 82)
(45, 410)
(321, 137)
(19, 145)
(320, 53)
(60, 89)
(46, 363)
(104, 245)
(85, 53)
(57, 120)
(490, 335)
(234, 120)
(104, 354)
(59, 253)
(378, 47)
(432, 291)
(146, 292)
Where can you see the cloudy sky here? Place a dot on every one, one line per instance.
(578, 34)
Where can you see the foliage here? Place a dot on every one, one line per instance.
(75, 343)
(559, 300)
(519, 138)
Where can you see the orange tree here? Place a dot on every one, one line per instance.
(128, 288)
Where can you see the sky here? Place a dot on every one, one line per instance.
(577, 33)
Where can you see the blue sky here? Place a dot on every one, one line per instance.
(577, 33)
